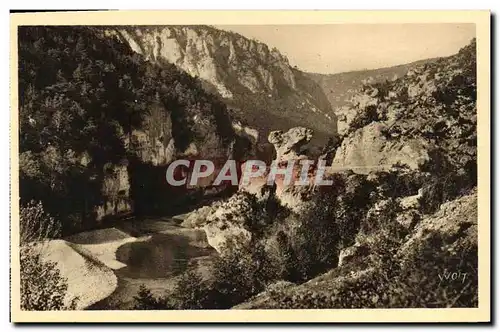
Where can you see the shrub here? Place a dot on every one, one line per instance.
(399, 181)
(446, 182)
(239, 276)
(42, 286)
(422, 281)
(235, 278)
(328, 226)
(35, 224)
(145, 300)
(418, 281)
(191, 292)
(383, 218)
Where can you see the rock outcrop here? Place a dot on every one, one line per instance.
(116, 190)
(432, 107)
(288, 149)
(288, 145)
(367, 149)
(227, 223)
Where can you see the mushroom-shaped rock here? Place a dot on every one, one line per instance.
(288, 144)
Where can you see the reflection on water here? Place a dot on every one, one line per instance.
(155, 262)
(162, 256)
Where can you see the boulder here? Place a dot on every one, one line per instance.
(288, 147)
(226, 222)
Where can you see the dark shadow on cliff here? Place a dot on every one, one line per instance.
(153, 196)
(149, 189)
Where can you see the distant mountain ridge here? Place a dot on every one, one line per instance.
(340, 87)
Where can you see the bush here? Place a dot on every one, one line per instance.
(363, 118)
(35, 224)
(399, 181)
(446, 182)
(383, 219)
(418, 281)
(145, 300)
(422, 281)
(239, 276)
(191, 292)
(235, 277)
(42, 286)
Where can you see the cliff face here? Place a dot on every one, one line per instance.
(258, 83)
(214, 56)
(368, 149)
(99, 125)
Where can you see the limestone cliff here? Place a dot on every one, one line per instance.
(368, 150)
(201, 52)
(258, 83)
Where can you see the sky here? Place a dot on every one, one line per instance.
(335, 48)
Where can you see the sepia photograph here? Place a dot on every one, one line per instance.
(325, 165)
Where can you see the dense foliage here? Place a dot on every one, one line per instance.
(364, 211)
(42, 286)
(81, 95)
(430, 276)
(235, 278)
(324, 229)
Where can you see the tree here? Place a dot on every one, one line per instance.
(145, 300)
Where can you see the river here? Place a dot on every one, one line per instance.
(157, 261)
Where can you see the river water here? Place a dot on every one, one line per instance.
(156, 262)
